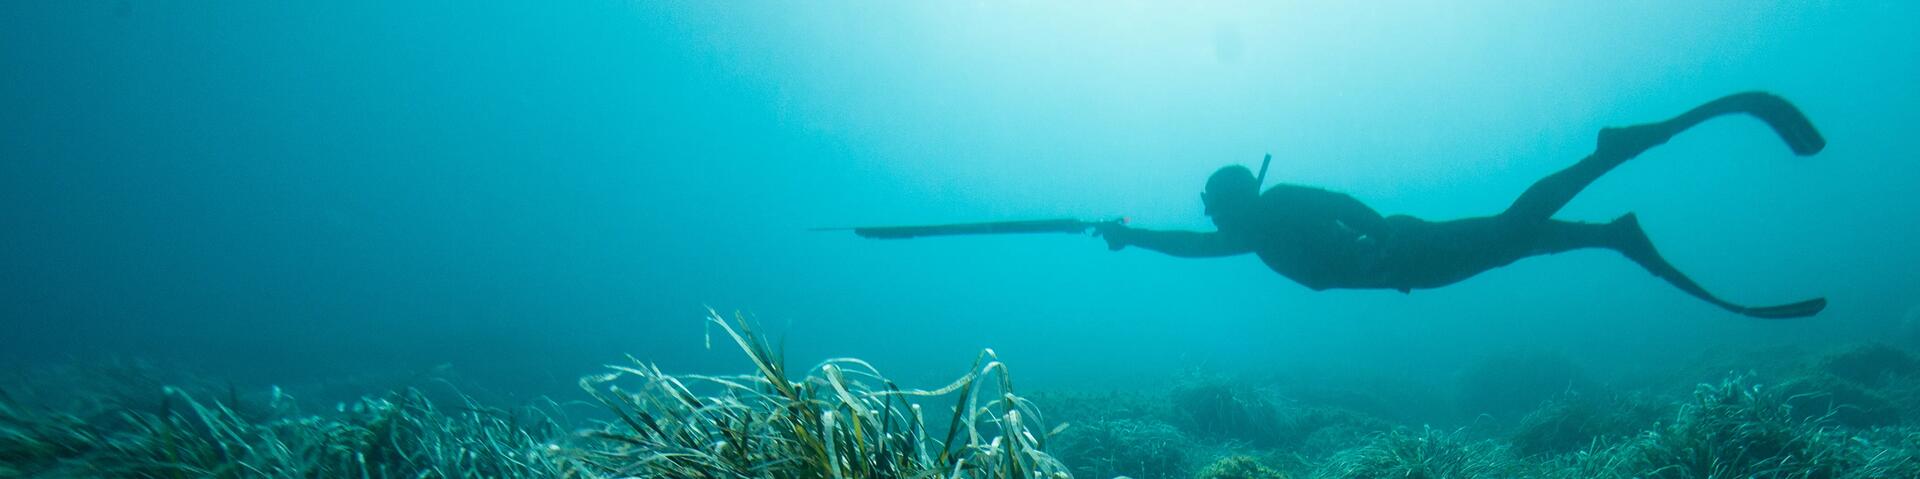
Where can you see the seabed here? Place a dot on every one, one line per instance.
(1845, 413)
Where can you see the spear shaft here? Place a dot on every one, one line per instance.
(1063, 225)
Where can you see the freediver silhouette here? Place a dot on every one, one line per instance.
(1328, 240)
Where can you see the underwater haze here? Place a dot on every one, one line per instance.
(510, 194)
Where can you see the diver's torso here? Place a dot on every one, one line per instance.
(1302, 241)
(1308, 245)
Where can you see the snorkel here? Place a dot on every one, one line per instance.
(1260, 181)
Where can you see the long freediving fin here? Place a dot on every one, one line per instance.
(1786, 120)
(1785, 311)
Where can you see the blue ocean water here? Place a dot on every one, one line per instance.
(283, 192)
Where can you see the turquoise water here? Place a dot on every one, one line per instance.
(299, 192)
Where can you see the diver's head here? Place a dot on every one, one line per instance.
(1230, 191)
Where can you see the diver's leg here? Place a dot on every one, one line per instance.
(1624, 235)
(1434, 254)
(1556, 236)
(1617, 145)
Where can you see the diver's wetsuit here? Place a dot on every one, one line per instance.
(1326, 240)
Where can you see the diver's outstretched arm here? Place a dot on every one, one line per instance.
(1184, 244)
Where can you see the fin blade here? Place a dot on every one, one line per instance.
(1787, 311)
(1787, 120)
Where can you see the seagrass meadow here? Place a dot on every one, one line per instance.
(1845, 414)
(979, 239)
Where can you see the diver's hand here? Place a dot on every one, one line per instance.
(1118, 235)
